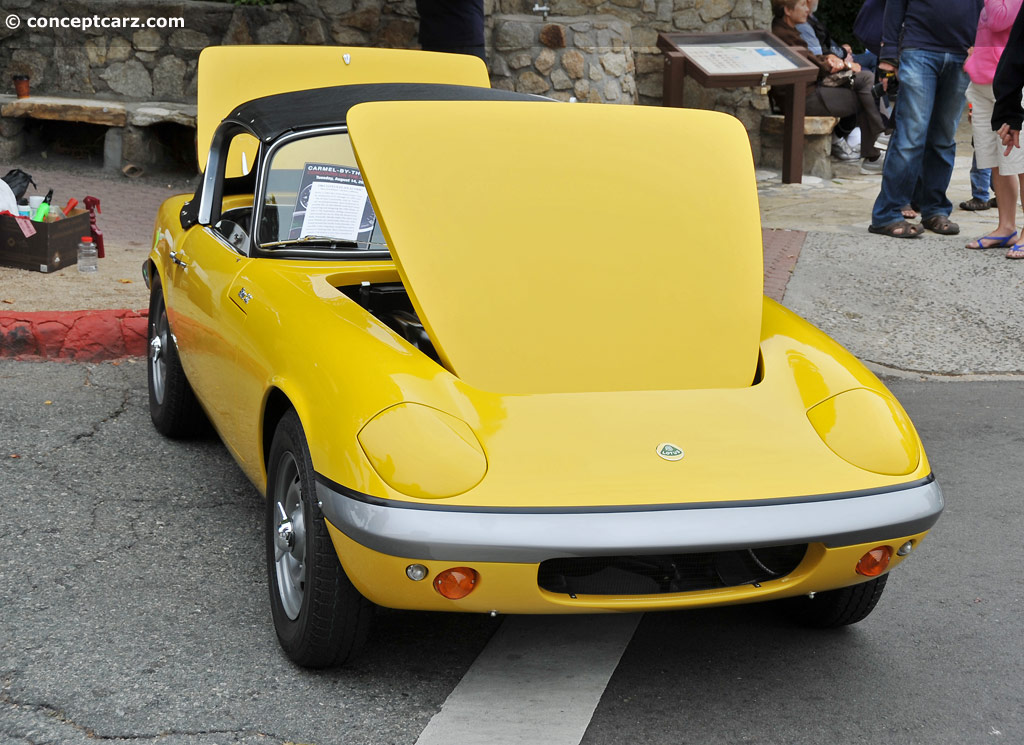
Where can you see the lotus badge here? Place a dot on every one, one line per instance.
(668, 451)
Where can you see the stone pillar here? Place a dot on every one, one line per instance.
(12, 139)
(113, 143)
(589, 59)
(817, 144)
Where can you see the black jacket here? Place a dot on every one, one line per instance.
(828, 44)
(1009, 80)
(448, 24)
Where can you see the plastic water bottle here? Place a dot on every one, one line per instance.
(87, 255)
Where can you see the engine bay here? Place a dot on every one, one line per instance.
(389, 303)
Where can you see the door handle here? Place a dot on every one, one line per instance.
(180, 262)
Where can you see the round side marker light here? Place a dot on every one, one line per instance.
(456, 583)
(416, 572)
(905, 549)
(874, 561)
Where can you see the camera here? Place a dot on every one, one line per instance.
(890, 89)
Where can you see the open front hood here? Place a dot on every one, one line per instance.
(560, 247)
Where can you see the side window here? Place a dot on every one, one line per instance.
(315, 198)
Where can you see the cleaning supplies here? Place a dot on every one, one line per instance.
(44, 208)
(93, 205)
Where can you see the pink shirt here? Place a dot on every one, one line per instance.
(993, 32)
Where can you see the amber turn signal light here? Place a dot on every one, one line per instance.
(874, 561)
(456, 583)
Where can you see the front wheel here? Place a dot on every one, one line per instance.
(835, 608)
(172, 404)
(320, 617)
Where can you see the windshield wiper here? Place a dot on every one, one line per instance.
(311, 239)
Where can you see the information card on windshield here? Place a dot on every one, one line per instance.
(332, 203)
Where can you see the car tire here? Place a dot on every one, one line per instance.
(173, 406)
(320, 618)
(835, 608)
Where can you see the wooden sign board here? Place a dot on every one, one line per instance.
(739, 60)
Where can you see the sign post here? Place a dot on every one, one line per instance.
(739, 60)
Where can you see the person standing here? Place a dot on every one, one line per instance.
(1007, 169)
(1008, 110)
(1006, 87)
(455, 26)
(925, 43)
(981, 184)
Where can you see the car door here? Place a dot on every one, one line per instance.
(209, 320)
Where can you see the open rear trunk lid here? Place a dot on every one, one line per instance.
(231, 75)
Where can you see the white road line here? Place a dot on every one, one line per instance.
(539, 680)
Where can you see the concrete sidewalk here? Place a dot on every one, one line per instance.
(923, 306)
(818, 257)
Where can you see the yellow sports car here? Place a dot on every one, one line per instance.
(493, 353)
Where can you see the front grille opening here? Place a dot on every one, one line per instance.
(662, 574)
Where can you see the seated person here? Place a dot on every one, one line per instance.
(819, 40)
(854, 97)
(846, 136)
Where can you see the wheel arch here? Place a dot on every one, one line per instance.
(149, 271)
(276, 406)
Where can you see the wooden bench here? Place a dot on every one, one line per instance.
(817, 143)
(128, 138)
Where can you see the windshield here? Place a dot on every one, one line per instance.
(315, 197)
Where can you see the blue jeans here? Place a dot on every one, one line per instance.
(867, 60)
(923, 145)
(981, 180)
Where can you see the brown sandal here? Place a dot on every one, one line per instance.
(900, 229)
(940, 224)
(975, 205)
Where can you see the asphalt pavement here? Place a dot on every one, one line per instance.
(133, 590)
(133, 608)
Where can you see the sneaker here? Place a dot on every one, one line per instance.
(882, 141)
(872, 167)
(842, 149)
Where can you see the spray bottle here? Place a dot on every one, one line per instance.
(93, 205)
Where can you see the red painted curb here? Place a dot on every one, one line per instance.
(82, 335)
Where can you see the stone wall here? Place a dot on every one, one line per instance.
(593, 50)
(160, 63)
(647, 18)
(589, 59)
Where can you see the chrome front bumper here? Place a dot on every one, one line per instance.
(429, 530)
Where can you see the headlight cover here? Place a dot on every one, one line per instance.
(868, 430)
(423, 452)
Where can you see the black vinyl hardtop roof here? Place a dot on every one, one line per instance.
(270, 117)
